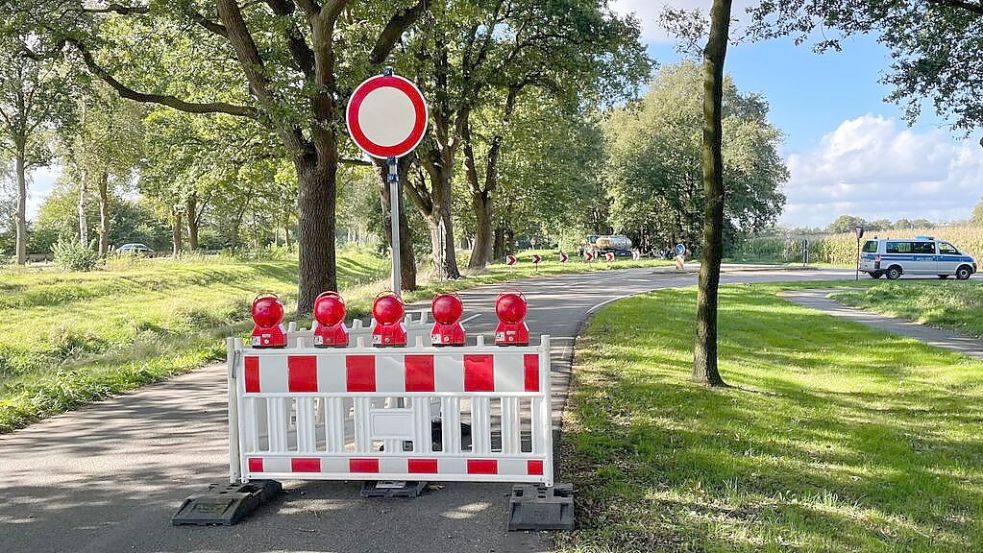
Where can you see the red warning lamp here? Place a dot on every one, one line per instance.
(329, 312)
(447, 329)
(388, 310)
(511, 309)
(268, 316)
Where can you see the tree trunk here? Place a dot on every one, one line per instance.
(83, 224)
(176, 239)
(484, 239)
(499, 249)
(286, 231)
(191, 205)
(316, 224)
(21, 216)
(407, 263)
(705, 368)
(103, 213)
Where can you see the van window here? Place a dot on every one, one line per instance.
(947, 248)
(870, 246)
(898, 247)
(911, 247)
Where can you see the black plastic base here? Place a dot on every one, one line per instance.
(388, 489)
(225, 504)
(536, 507)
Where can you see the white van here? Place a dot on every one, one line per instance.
(922, 255)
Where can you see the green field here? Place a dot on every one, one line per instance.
(945, 304)
(69, 338)
(833, 436)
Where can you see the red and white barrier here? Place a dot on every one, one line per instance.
(472, 413)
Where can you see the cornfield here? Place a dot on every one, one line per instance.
(841, 249)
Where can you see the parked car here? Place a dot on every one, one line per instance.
(136, 249)
(922, 255)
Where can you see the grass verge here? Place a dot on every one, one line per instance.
(834, 437)
(70, 338)
(951, 305)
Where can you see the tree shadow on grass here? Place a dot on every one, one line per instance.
(829, 445)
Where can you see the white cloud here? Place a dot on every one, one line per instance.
(648, 12)
(39, 185)
(876, 168)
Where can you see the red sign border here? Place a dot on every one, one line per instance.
(419, 106)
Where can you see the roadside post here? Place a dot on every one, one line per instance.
(680, 257)
(859, 230)
(805, 252)
(387, 118)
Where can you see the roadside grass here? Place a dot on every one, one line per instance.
(948, 304)
(833, 436)
(68, 338)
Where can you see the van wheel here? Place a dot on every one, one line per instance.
(894, 273)
(943, 277)
(876, 274)
(964, 272)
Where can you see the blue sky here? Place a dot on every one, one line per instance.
(848, 151)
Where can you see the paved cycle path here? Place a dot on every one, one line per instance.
(108, 477)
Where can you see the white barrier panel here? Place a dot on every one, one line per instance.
(475, 413)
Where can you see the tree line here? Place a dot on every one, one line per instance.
(245, 102)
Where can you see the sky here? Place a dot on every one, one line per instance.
(847, 150)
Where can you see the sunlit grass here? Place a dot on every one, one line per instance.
(68, 338)
(946, 304)
(834, 437)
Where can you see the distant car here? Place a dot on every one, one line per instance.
(136, 249)
(922, 255)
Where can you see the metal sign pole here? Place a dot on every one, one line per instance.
(394, 214)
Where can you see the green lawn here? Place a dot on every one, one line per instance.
(68, 338)
(834, 437)
(946, 304)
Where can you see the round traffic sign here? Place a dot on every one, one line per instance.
(386, 116)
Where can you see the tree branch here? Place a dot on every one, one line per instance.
(301, 52)
(120, 9)
(356, 162)
(394, 29)
(162, 99)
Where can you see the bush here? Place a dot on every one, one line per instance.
(73, 256)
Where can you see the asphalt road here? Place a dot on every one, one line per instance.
(108, 477)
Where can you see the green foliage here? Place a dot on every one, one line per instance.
(845, 224)
(70, 254)
(834, 436)
(935, 46)
(977, 217)
(654, 167)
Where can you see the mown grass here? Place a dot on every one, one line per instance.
(70, 338)
(951, 305)
(834, 437)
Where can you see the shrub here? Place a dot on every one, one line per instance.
(72, 255)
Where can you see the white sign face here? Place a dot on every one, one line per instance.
(387, 116)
